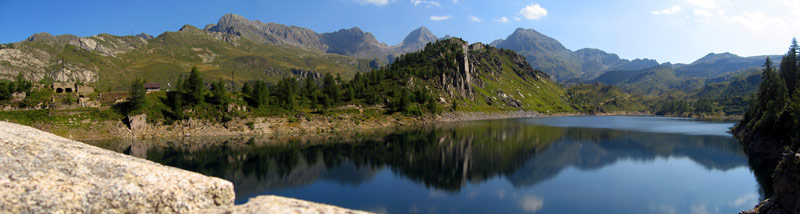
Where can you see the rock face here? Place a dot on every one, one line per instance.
(549, 55)
(785, 183)
(350, 42)
(44, 173)
(277, 204)
(137, 122)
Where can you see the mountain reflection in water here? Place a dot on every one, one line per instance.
(445, 158)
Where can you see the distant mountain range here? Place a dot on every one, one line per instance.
(269, 51)
(234, 48)
(548, 55)
(349, 42)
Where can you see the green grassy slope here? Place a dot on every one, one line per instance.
(499, 79)
(169, 55)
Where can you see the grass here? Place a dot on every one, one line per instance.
(171, 54)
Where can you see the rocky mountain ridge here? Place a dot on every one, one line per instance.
(550, 56)
(350, 42)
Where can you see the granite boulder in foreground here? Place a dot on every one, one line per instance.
(277, 204)
(44, 173)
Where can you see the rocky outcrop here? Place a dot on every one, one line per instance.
(277, 204)
(271, 33)
(137, 123)
(350, 42)
(44, 173)
(785, 183)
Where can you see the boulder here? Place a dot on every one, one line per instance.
(43, 173)
(277, 204)
(137, 122)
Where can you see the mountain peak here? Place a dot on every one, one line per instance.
(189, 28)
(39, 36)
(712, 57)
(232, 18)
(145, 36)
(420, 36)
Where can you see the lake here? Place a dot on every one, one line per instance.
(593, 164)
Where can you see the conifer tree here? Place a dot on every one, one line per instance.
(247, 89)
(789, 66)
(331, 89)
(137, 93)
(194, 88)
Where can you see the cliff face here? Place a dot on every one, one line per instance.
(785, 183)
(480, 77)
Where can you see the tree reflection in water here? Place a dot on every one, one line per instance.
(444, 157)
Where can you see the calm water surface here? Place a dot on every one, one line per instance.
(603, 164)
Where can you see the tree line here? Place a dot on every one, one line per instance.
(774, 113)
(20, 84)
(386, 86)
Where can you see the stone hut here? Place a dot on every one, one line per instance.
(64, 87)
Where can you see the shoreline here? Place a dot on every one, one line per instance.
(276, 127)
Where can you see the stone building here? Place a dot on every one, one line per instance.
(69, 87)
(64, 87)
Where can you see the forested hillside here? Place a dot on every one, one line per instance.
(772, 120)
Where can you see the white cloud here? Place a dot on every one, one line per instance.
(375, 2)
(426, 3)
(699, 209)
(455, 1)
(440, 18)
(475, 19)
(744, 200)
(759, 21)
(531, 203)
(517, 18)
(702, 13)
(503, 19)
(533, 12)
(707, 4)
(669, 11)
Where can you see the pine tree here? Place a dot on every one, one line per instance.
(404, 103)
(331, 89)
(789, 66)
(247, 89)
(286, 93)
(259, 95)
(220, 93)
(136, 98)
(175, 100)
(309, 88)
(194, 88)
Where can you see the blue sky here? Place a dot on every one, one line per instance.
(668, 30)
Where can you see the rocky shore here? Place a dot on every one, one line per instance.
(785, 183)
(45, 173)
(138, 128)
